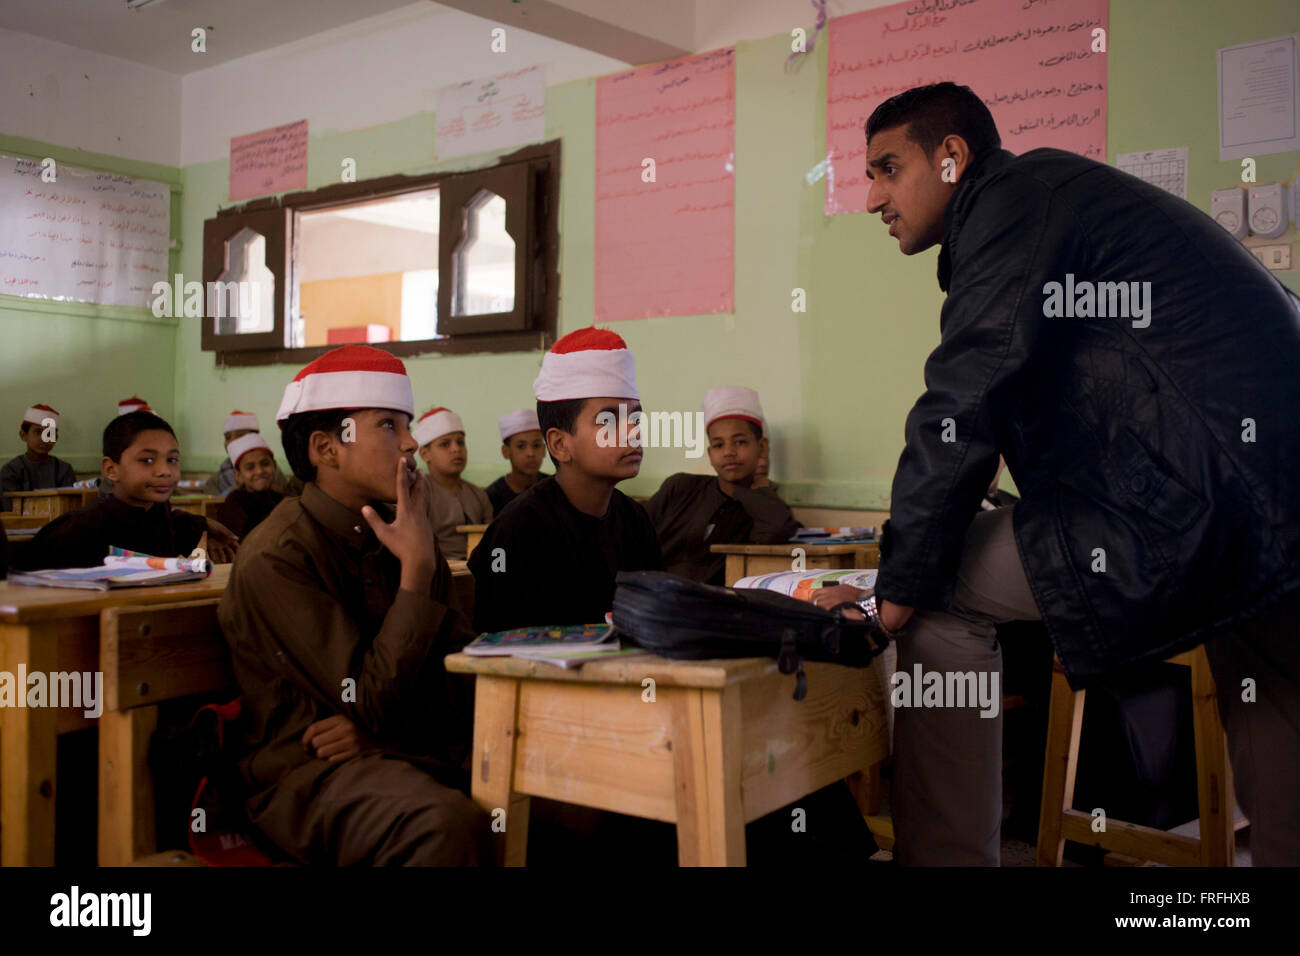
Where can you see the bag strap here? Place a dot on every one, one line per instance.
(789, 662)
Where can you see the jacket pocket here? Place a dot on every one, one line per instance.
(1149, 484)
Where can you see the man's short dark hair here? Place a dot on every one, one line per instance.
(562, 415)
(297, 431)
(935, 111)
(121, 431)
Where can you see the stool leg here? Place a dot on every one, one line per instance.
(1213, 772)
(1064, 721)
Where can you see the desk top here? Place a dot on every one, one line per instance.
(471, 528)
(788, 547)
(24, 604)
(626, 669)
(48, 492)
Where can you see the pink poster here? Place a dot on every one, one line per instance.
(1032, 61)
(270, 161)
(665, 188)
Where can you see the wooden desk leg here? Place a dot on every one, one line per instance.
(1213, 772)
(126, 805)
(1059, 764)
(735, 569)
(496, 732)
(29, 742)
(707, 754)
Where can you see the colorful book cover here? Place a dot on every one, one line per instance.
(802, 584)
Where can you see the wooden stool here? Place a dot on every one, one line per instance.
(1058, 821)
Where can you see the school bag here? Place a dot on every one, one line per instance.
(686, 620)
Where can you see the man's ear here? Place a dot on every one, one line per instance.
(109, 469)
(557, 445)
(323, 450)
(955, 156)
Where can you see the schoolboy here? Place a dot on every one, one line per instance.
(142, 459)
(452, 500)
(125, 407)
(36, 468)
(248, 504)
(551, 557)
(338, 615)
(522, 446)
(237, 425)
(737, 506)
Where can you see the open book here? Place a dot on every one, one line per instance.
(802, 584)
(838, 535)
(119, 571)
(566, 646)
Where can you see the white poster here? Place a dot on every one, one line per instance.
(491, 114)
(72, 234)
(1259, 98)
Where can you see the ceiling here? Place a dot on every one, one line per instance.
(159, 35)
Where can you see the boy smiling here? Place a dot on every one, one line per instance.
(142, 460)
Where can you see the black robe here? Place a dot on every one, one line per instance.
(501, 494)
(242, 511)
(81, 539)
(559, 564)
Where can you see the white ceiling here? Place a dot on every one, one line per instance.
(159, 35)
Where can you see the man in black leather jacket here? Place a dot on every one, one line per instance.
(1140, 372)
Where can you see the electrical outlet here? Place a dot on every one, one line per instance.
(1276, 257)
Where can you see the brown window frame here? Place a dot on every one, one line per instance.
(528, 179)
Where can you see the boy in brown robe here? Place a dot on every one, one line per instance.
(338, 615)
(440, 433)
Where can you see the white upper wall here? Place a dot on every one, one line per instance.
(77, 98)
(377, 71)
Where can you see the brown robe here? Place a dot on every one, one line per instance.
(691, 513)
(447, 509)
(314, 606)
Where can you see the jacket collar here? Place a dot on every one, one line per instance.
(344, 522)
(985, 165)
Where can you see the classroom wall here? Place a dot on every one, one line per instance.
(837, 381)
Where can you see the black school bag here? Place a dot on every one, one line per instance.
(683, 619)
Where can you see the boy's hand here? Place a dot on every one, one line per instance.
(410, 536)
(335, 738)
(827, 598)
(222, 542)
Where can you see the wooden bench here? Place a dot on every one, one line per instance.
(745, 560)
(473, 535)
(1059, 821)
(149, 654)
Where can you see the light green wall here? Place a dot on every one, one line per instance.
(82, 358)
(836, 381)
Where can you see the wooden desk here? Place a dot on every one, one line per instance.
(473, 535)
(49, 503)
(744, 560)
(722, 743)
(48, 630)
(202, 505)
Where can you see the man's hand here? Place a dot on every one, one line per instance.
(335, 738)
(410, 536)
(222, 542)
(893, 616)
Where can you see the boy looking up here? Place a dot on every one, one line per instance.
(142, 459)
(738, 506)
(523, 447)
(338, 616)
(552, 556)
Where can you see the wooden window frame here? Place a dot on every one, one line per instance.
(530, 327)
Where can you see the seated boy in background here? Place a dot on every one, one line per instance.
(551, 557)
(452, 501)
(36, 468)
(248, 504)
(338, 617)
(225, 480)
(142, 459)
(523, 447)
(738, 506)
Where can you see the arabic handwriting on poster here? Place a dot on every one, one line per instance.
(491, 113)
(1030, 60)
(666, 247)
(87, 236)
(268, 161)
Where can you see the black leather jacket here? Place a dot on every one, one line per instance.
(1128, 437)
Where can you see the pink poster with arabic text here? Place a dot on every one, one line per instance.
(665, 188)
(1032, 62)
(269, 161)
